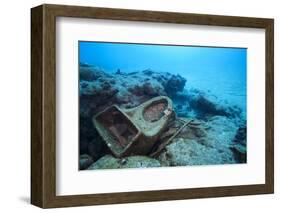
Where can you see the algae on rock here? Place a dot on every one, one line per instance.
(183, 152)
(110, 162)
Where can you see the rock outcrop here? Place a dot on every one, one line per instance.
(239, 146)
(110, 162)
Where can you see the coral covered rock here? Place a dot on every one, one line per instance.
(139, 162)
(207, 143)
(184, 152)
(109, 162)
(199, 104)
(106, 162)
(175, 84)
(99, 89)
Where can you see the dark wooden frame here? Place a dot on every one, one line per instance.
(43, 105)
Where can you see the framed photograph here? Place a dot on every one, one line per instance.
(136, 106)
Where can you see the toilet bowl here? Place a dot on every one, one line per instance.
(134, 131)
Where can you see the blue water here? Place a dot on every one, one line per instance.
(222, 71)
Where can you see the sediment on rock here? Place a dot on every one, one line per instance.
(110, 162)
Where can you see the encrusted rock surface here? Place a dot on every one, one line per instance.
(110, 162)
(196, 103)
(184, 152)
(99, 89)
(206, 145)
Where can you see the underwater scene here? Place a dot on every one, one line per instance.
(156, 105)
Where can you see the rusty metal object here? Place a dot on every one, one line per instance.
(134, 131)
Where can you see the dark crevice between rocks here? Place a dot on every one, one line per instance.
(239, 146)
